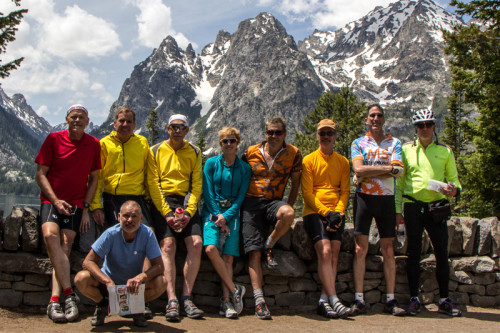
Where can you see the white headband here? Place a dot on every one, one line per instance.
(178, 117)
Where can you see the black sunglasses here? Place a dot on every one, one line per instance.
(272, 132)
(426, 125)
(228, 141)
(329, 133)
(179, 127)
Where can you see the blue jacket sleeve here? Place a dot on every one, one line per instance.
(209, 194)
(245, 173)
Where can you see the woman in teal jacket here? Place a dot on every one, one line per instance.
(225, 183)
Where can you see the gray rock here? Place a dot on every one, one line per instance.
(493, 289)
(469, 226)
(10, 298)
(301, 243)
(482, 301)
(30, 234)
(290, 298)
(462, 277)
(88, 238)
(238, 266)
(373, 239)
(497, 276)
(2, 225)
(25, 262)
(345, 277)
(242, 279)
(374, 275)
(428, 263)
(459, 297)
(206, 288)
(484, 278)
(208, 276)
(374, 263)
(204, 300)
(299, 284)
(427, 298)
(455, 239)
(401, 264)
(23, 286)
(473, 264)
(452, 285)
(11, 277)
(429, 285)
(37, 279)
(274, 289)
(348, 243)
(497, 298)
(345, 262)
(472, 289)
(312, 298)
(371, 284)
(12, 229)
(495, 236)
(289, 264)
(37, 298)
(5, 285)
(285, 242)
(482, 242)
(346, 298)
(275, 279)
(340, 287)
(426, 243)
(372, 296)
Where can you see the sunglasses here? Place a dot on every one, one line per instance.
(178, 127)
(329, 133)
(375, 115)
(228, 141)
(272, 132)
(424, 125)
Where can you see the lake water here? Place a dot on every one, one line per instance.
(7, 201)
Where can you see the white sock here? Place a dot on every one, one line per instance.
(269, 243)
(323, 298)
(333, 299)
(359, 297)
(441, 300)
(390, 297)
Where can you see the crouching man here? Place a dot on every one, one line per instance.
(124, 248)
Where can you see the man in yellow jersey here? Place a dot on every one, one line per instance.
(325, 188)
(180, 175)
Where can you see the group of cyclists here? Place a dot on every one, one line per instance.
(147, 198)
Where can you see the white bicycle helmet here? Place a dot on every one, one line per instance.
(423, 115)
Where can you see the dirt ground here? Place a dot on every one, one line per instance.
(473, 320)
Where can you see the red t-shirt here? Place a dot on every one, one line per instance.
(70, 162)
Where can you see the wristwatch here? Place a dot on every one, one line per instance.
(86, 205)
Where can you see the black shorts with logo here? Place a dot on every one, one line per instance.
(49, 213)
(382, 208)
(316, 229)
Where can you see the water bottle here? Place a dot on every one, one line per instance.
(178, 216)
(401, 233)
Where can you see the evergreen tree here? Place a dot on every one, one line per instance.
(8, 30)
(202, 144)
(475, 68)
(456, 125)
(347, 113)
(153, 126)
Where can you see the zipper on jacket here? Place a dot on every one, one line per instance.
(119, 178)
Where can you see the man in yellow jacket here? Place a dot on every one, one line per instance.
(128, 172)
(180, 175)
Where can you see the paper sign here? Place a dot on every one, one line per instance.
(121, 302)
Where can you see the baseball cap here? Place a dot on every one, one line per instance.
(327, 123)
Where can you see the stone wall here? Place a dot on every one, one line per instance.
(474, 247)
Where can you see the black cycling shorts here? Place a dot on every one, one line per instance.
(382, 208)
(316, 229)
(112, 204)
(49, 213)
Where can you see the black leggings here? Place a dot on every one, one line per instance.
(417, 217)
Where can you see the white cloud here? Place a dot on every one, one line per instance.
(43, 111)
(155, 23)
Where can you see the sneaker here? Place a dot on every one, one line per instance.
(140, 320)
(447, 307)
(237, 298)
(357, 308)
(71, 308)
(98, 317)
(262, 312)
(269, 259)
(325, 310)
(414, 307)
(393, 308)
(54, 311)
(227, 310)
(148, 314)
(172, 311)
(190, 310)
(341, 310)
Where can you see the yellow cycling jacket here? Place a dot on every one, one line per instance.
(126, 169)
(180, 172)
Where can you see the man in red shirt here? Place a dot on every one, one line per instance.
(68, 165)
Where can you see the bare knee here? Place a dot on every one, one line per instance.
(228, 259)
(387, 249)
(195, 245)
(361, 250)
(286, 214)
(168, 246)
(83, 279)
(211, 251)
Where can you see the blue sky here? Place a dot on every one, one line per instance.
(82, 51)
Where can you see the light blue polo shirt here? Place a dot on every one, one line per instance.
(122, 260)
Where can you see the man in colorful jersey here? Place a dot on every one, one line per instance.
(272, 162)
(325, 188)
(180, 174)
(128, 172)
(123, 248)
(425, 160)
(67, 172)
(376, 160)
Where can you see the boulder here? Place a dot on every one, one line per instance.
(301, 243)
(469, 226)
(10, 298)
(30, 234)
(206, 288)
(372, 296)
(484, 278)
(482, 242)
(455, 239)
(274, 289)
(25, 262)
(472, 289)
(482, 301)
(473, 264)
(495, 236)
(285, 242)
(275, 279)
(401, 264)
(289, 264)
(12, 229)
(302, 284)
(493, 289)
(291, 298)
(374, 263)
(458, 297)
(37, 279)
(345, 262)
(428, 263)
(23, 286)
(348, 243)
(462, 277)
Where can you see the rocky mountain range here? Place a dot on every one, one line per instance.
(393, 55)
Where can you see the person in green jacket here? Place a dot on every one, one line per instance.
(425, 162)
